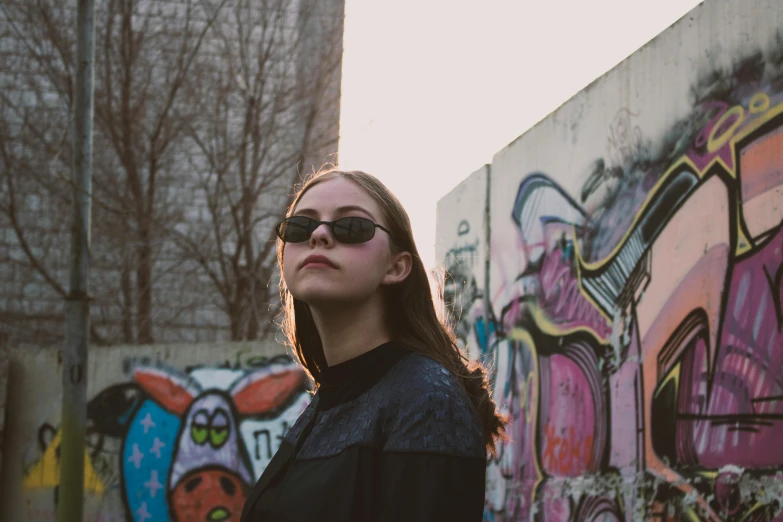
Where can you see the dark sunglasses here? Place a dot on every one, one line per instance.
(348, 230)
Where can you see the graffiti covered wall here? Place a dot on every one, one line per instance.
(174, 433)
(635, 285)
(462, 248)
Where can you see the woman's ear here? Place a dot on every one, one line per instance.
(402, 264)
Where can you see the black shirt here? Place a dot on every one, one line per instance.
(389, 436)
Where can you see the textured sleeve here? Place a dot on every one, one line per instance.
(431, 413)
(433, 462)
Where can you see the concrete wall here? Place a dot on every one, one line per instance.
(174, 432)
(462, 247)
(635, 284)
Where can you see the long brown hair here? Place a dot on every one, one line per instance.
(410, 310)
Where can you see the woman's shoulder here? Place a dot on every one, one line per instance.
(429, 411)
(307, 414)
(416, 373)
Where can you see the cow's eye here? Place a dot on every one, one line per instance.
(219, 428)
(198, 433)
(200, 427)
(218, 436)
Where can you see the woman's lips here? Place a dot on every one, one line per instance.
(317, 264)
(317, 260)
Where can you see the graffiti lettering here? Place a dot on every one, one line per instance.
(243, 360)
(625, 139)
(268, 438)
(565, 454)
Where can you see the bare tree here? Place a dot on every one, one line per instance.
(205, 113)
(144, 61)
(269, 100)
(35, 92)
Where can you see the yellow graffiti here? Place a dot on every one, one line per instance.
(673, 376)
(759, 103)
(547, 326)
(714, 143)
(544, 323)
(528, 391)
(46, 472)
(528, 395)
(735, 135)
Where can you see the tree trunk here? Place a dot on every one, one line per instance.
(248, 279)
(144, 284)
(126, 287)
(235, 318)
(252, 321)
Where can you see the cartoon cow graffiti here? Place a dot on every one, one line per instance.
(210, 471)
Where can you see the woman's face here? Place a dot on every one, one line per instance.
(358, 270)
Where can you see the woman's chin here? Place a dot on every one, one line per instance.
(320, 296)
(329, 299)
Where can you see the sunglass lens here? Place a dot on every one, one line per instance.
(353, 230)
(295, 230)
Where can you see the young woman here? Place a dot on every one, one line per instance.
(400, 423)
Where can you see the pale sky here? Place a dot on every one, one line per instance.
(431, 89)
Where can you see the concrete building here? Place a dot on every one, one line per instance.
(206, 113)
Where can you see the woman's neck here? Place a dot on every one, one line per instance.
(348, 331)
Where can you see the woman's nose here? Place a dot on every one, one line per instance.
(321, 234)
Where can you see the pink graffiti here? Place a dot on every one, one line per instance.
(562, 299)
(741, 422)
(571, 412)
(566, 455)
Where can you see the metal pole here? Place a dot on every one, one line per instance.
(74, 410)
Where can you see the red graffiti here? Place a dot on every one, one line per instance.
(212, 494)
(567, 456)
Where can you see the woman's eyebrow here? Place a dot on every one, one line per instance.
(338, 210)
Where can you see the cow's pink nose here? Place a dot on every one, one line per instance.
(213, 495)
